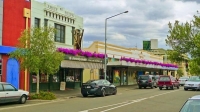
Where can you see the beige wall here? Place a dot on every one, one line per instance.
(90, 74)
(119, 51)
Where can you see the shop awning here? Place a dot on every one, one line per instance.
(81, 64)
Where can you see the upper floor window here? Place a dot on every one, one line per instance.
(45, 22)
(37, 22)
(60, 33)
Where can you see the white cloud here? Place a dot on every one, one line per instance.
(146, 19)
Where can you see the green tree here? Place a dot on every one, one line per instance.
(37, 52)
(184, 38)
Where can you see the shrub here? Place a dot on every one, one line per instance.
(43, 96)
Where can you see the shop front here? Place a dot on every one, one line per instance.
(70, 73)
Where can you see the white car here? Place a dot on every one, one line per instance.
(192, 83)
(182, 80)
(8, 93)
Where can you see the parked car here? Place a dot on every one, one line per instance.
(99, 87)
(156, 78)
(146, 81)
(191, 105)
(182, 80)
(192, 83)
(8, 93)
(167, 82)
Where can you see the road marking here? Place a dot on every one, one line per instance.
(28, 105)
(127, 102)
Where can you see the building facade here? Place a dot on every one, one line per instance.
(10, 30)
(124, 65)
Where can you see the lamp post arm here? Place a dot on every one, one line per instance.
(114, 15)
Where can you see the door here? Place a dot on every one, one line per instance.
(12, 94)
(2, 94)
(13, 72)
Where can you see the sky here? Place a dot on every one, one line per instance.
(145, 20)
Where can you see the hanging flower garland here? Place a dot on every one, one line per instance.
(148, 62)
(75, 52)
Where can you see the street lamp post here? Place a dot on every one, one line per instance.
(105, 66)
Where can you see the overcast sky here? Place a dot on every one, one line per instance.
(146, 19)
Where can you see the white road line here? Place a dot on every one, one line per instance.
(28, 105)
(127, 102)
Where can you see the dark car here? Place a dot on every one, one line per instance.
(146, 81)
(167, 82)
(191, 105)
(99, 87)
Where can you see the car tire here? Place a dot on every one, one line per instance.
(167, 88)
(140, 87)
(185, 89)
(172, 87)
(115, 91)
(23, 99)
(177, 87)
(84, 95)
(160, 88)
(103, 94)
(151, 86)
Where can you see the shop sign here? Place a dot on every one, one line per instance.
(82, 58)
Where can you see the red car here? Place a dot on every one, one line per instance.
(167, 82)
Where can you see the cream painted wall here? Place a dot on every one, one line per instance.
(38, 11)
(119, 51)
(90, 74)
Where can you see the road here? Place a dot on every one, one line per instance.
(133, 100)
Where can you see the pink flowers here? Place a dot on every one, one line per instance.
(81, 53)
(148, 62)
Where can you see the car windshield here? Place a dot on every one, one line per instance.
(164, 79)
(183, 78)
(194, 78)
(192, 105)
(144, 77)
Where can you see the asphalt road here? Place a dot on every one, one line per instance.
(132, 100)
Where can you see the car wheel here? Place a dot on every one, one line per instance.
(152, 87)
(103, 93)
(172, 87)
(145, 87)
(166, 87)
(160, 88)
(23, 99)
(140, 87)
(185, 89)
(84, 95)
(177, 87)
(115, 91)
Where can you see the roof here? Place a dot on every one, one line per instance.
(195, 97)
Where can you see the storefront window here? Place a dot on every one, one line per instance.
(55, 78)
(77, 74)
(69, 76)
(34, 78)
(44, 78)
(116, 78)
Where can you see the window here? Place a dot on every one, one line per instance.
(1, 87)
(45, 22)
(37, 22)
(60, 33)
(69, 76)
(8, 87)
(77, 75)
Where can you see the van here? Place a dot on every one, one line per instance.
(147, 81)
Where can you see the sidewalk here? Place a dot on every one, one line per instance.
(72, 93)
